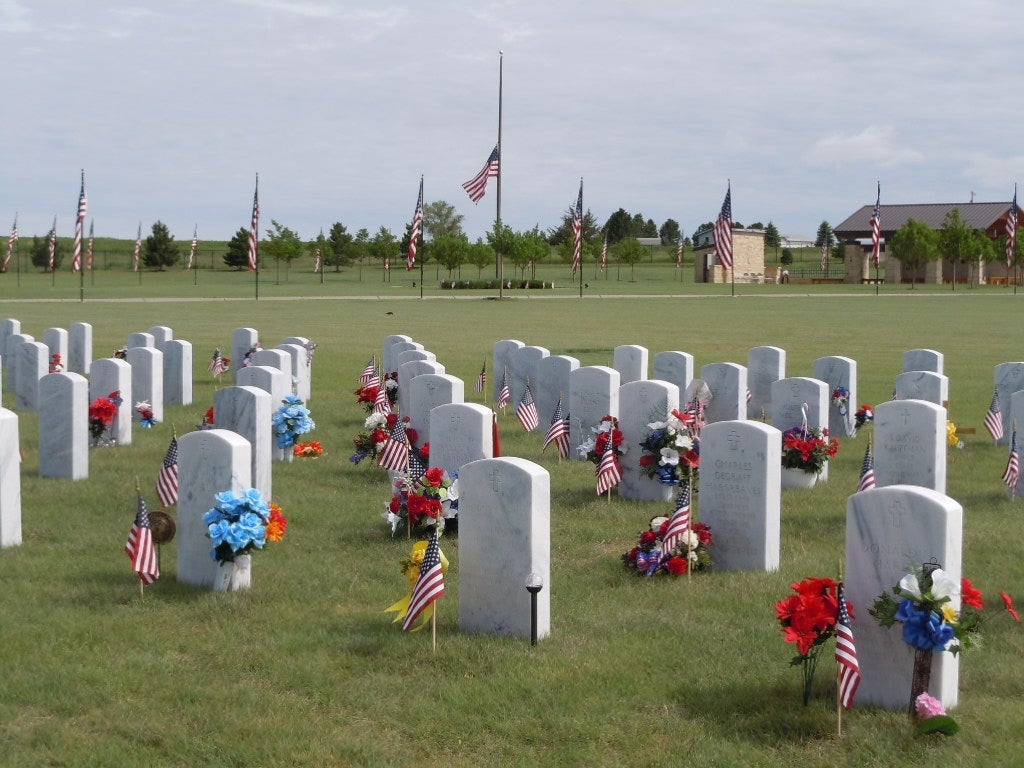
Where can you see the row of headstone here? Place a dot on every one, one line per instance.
(292, 358)
(1009, 380)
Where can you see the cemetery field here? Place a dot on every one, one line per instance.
(306, 668)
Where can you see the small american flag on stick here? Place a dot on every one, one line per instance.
(846, 654)
(679, 523)
(609, 473)
(526, 411)
(867, 471)
(429, 586)
(994, 418)
(167, 479)
(481, 380)
(395, 454)
(140, 546)
(558, 432)
(504, 393)
(1011, 475)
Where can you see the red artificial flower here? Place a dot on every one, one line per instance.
(392, 420)
(412, 434)
(396, 504)
(833, 447)
(1008, 603)
(378, 436)
(425, 450)
(367, 394)
(277, 524)
(647, 460)
(691, 458)
(809, 615)
(703, 532)
(648, 537)
(434, 476)
(631, 555)
(663, 528)
(677, 566)
(209, 415)
(971, 596)
(814, 587)
(102, 410)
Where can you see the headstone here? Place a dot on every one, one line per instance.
(523, 368)
(64, 426)
(910, 444)
(302, 370)
(923, 385)
(242, 340)
(1016, 421)
(675, 368)
(210, 461)
(406, 373)
(922, 360)
(1009, 379)
(109, 375)
(80, 348)
(504, 537)
(593, 394)
(386, 360)
(33, 364)
(416, 354)
(552, 380)
(11, 355)
(270, 380)
(140, 339)
(8, 328)
(177, 372)
(502, 362)
(765, 366)
(247, 411)
(789, 396)
(889, 532)
(728, 385)
(300, 340)
(398, 348)
(148, 377)
(10, 480)
(630, 360)
(277, 358)
(740, 493)
(460, 433)
(161, 335)
(838, 372)
(640, 403)
(428, 391)
(56, 340)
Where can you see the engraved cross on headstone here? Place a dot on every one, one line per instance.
(896, 510)
(496, 481)
(734, 440)
(906, 415)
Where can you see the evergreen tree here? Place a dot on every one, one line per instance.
(159, 249)
(340, 252)
(237, 255)
(824, 236)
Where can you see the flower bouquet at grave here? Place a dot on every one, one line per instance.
(145, 411)
(428, 502)
(841, 399)
(593, 448)
(864, 415)
(366, 394)
(102, 412)
(120, 354)
(240, 523)
(808, 619)
(311, 450)
(291, 420)
(691, 553)
(952, 438)
(207, 422)
(411, 570)
(671, 450)
(56, 364)
(807, 448)
(371, 440)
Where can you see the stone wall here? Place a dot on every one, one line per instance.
(748, 260)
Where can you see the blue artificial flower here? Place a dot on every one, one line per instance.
(924, 630)
(667, 475)
(253, 500)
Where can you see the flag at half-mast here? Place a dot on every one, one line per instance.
(11, 242)
(195, 246)
(577, 231)
(83, 205)
(1011, 229)
(558, 431)
(254, 230)
(876, 229)
(680, 251)
(138, 249)
(723, 231)
(140, 548)
(417, 225)
(476, 187)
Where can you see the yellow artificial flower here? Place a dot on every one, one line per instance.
(949, 614)
(951, 436)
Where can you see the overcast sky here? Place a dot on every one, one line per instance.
(172, 108)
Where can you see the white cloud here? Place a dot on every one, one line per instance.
(14, 17)
(875, 145)
(997, 172)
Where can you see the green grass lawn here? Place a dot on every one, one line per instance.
(306, 669)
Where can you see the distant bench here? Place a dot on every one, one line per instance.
(872, 280)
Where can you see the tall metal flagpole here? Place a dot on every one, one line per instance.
(256, 234)
(501, 168)
(421, 238)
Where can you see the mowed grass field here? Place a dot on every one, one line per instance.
(306, 669)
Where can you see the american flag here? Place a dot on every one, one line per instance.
(417, 225)
(140, 547)
(679, 523)
(369, 371)
(824, 256)
(195, 245)
(504, 393)
(723, 231)
(88, 250)
(317, 260)
(558, 431)
(417, 466)
(481, 380)
(83, 205)
(846, 654)
(11, 242)
(138, 249)
(1012, 473)
(577, 231)
(876, 229)
(429, 585)
(167, 480)
(395, 454)
(1011, 230)
(477, 186)
(526, 411)
(867, 471)
(217, 365)
(994, 418)
(604, 252)
(680, 250)
(52, 252)
(609, 473)
(381, 404)
(254, 230)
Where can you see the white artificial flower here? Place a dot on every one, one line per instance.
(657, 522)
(657, 425)
(669, 457)
(586, 447)
(690, 540)
(909, 586)
(142, 404)
(390, 384)
(944, 585)
(453, 490)
(683, 442)
(393, 520)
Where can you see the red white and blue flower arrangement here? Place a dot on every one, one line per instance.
(291, 420)
(593, 448)
(691, 553)
(432, 500)
(145, 411)
(671, 450)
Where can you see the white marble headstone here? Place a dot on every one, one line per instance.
(387, 362)
(728, 385)
(502, 361)
(889, 532)
(10, 480)
(148, 377)
(640, 403)
(80, 348)
(922, 360)
(593, 394)
(406, 373)
(161, 335)
(428, 391)
(209, 461)
(523, 368)
(416, 354)
(630, 360)
(765, 366)
(923, 385)
(247, 411)
(302, 370)
(33, 364)
(740, 493)
(552, 381)
(789, 396)
(837, 372)
(64, 426)
(242, 340)
(460, 433)
(277, 358)
(109, 375)
(10, 355)
(504, 536)
(177, 372)
(141, 339)
(1009, 378)
(1016, 421)
(910, 444)
(56, 340)
(674, 367)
